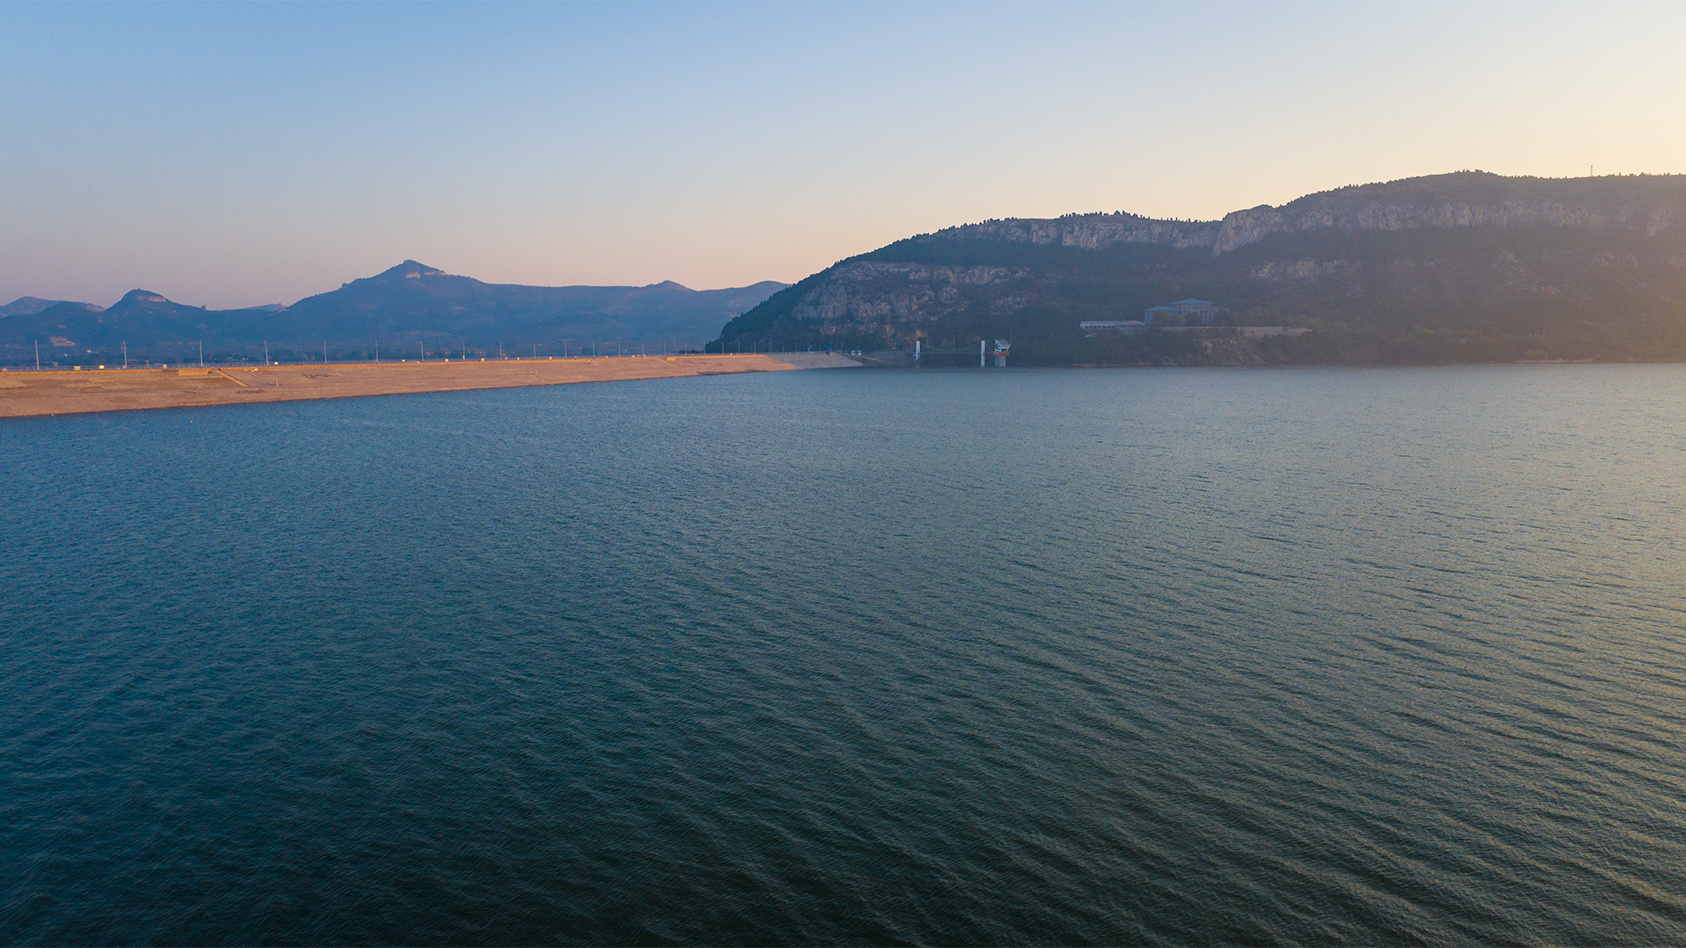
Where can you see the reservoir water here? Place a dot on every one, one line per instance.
(1381, 656)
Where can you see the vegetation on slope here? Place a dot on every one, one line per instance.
(1454, 268)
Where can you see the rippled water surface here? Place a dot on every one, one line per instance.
(1187, 656)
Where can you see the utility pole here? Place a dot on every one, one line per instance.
(201, 353)
(37, 355)
(266, 352)
(324, 352)
(125, 353)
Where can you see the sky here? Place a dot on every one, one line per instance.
(238, 154)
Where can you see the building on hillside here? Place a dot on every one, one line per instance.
(1189, 312)
(1093, 327)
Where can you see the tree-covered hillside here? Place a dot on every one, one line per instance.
(1457, 267)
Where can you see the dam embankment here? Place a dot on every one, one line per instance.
(28, 393)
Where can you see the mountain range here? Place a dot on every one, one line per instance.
(1468, 266)
(30, 305)
(408, 305)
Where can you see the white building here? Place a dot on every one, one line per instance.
(1126, 326)
(1202, 312)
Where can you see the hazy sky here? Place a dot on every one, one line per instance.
(230, 155)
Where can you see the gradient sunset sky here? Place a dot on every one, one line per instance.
(231, 155)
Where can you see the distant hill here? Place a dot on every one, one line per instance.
(142, 319)
(410, 304)
(415, 301)
(30, 305)
(1457, 267)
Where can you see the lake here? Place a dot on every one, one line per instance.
(1379, 655)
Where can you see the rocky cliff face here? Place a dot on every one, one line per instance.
(1467, 199)
(865, 297)
(1241, 228)
(1089, 231)
(1448, 252)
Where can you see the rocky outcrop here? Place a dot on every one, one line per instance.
(1484, 252)
(1241, 228)
(1465, 199)
(867, 297)
(1651, 208)
(1089, 231)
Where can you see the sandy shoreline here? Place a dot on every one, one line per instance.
(25, 394)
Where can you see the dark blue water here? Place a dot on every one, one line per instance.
(1188, 656)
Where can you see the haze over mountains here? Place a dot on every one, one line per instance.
(410, 305)
(1457, 267)
(1467, 266)
(30, 305)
